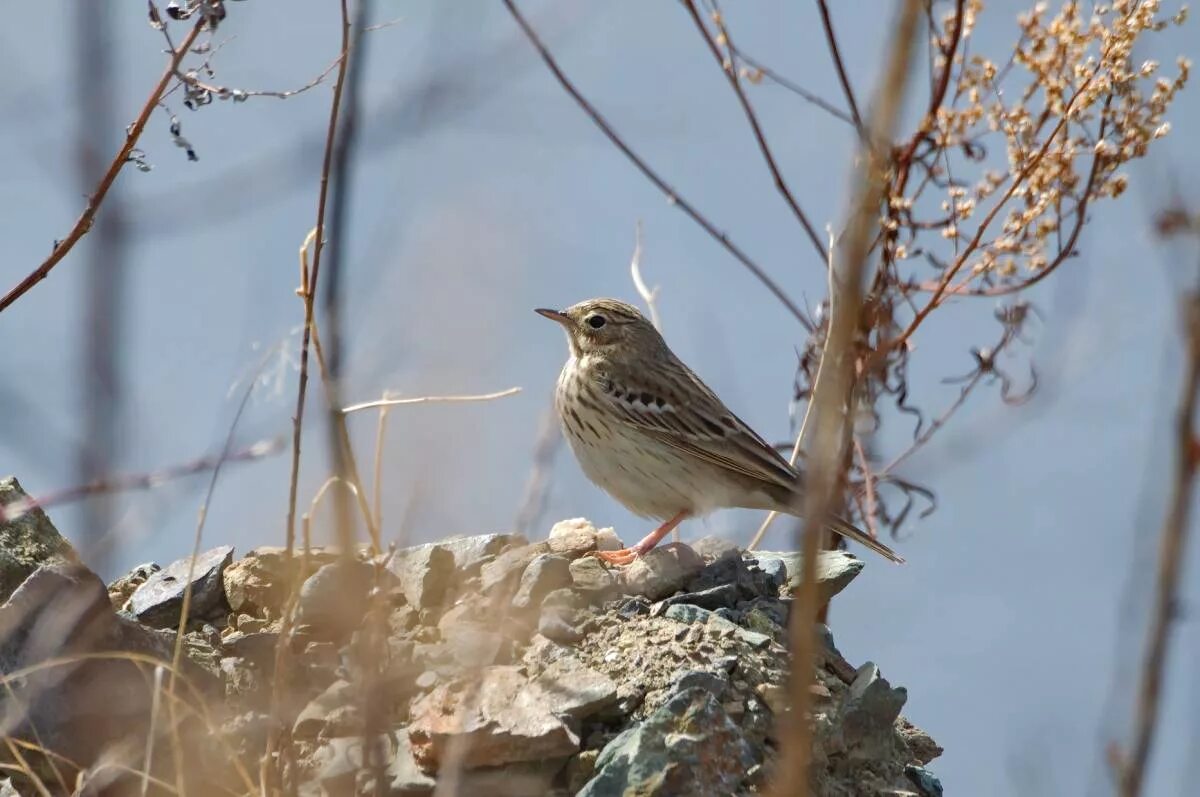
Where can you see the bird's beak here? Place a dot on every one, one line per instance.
(555, 315)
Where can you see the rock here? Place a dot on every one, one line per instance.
(340, 762)
(334, 599)
(82, 709)
(607, 540)
(689, 746)
(735, 572)
(424, 573)
(662, 571)
(257, 649)
(554, 626)
(28, 540)
(120, 590)
(159, 600)
(869, 712)
(544, 574)
(312, 718)
(497, 720)
(687, 613)
(502, 574)
(835, 569)
(775, 696)
(701, 679)
(472, 553)
(260, 583)
(926, 782)
(776, 570)
(407, 779)
(590, 576)
(569, 687)
(574, 537)
(724, 596)
(713, 547)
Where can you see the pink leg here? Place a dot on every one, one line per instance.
(627, 555)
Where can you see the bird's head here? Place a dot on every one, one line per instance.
(604, 326)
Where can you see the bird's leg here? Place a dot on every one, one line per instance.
(627, 555)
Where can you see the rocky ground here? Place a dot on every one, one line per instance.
(485, 665)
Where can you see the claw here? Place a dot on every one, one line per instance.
(625, 556)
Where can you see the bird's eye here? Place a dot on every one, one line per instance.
(595, 321)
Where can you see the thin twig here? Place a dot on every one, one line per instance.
(672, 195)
(649, 295)
(367, 405)
(308, 287)
(831, 399)
(836, 54)
(1131, 768)
(728, 66)
(84, 223)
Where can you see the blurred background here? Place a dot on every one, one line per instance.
(481, 191)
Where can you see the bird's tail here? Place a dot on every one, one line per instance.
(852, 532)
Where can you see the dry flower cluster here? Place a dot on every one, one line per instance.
(993, 188)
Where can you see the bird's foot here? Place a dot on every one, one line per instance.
(625, 556)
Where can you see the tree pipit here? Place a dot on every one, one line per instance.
(656, 438)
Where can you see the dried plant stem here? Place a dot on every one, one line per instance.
(831, 423)
(835, 54)
(398, 402)
(649, 295)
(672, 195)
(84, 223)
(308, 288)
(1131, 768)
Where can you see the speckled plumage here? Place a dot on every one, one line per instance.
(650, 433)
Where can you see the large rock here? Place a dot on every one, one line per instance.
(543, 575)
(689, 746)
(333, 600)
(28, 539)
(260, 583)
(835, 569)
(84, 705)
(425, 573)
(159, 600)
(495, 720)
(662, 571)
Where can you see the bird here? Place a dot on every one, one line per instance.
(650, 433)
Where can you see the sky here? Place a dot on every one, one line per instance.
(482, 192)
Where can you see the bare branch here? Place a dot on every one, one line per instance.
(399, 402)
(84, 223)
(672, 195)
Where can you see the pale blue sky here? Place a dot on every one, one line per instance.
(484, 192)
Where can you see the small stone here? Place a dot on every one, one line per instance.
(754, 639)
(571, 688)
(711, 682)
(120, 590)
(502, 574)
(775, 696)
(312, 718)
(607, 540)
(555, 628)
(159, 600)
(424, 574)
(590, 576)
(544, 574)
(687, 613)
(724, 596)
(565, 598)
(249, 625)
(427, 679)
(662, 571)
(334, 599)
(573, 537)
(712, 547)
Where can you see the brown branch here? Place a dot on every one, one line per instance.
(831, 399)
(240, 95)
(729, 68)
(1131, 768)
(790, 85)
(672, 195)
(84, 223)
(836, 54)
